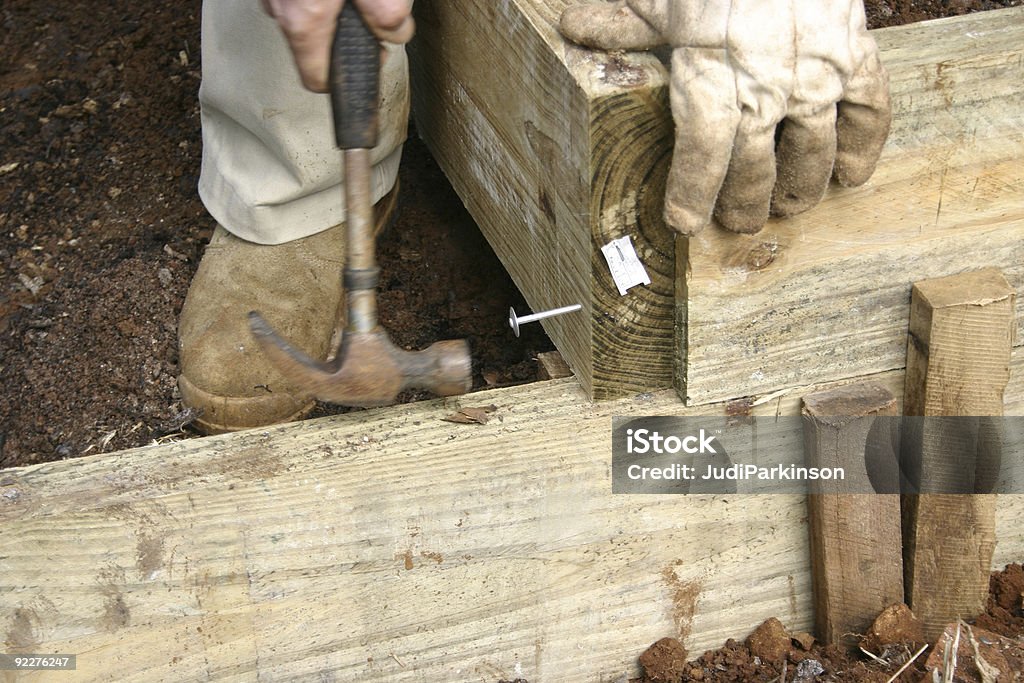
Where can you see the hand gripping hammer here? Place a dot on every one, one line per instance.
(367, 370)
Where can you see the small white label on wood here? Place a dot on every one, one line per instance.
(627, 271)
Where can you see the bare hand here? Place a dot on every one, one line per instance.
(309, 27)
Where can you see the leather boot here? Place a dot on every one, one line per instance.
(296, 286)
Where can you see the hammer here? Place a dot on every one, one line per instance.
(367, 370)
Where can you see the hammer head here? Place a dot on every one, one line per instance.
(368, 369)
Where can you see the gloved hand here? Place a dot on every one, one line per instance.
(740, 68)
(309, 27)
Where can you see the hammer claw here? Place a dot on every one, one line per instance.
(289, 361)
(368, 370)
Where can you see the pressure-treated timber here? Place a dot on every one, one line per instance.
(958, 364)
(856, 550)
(389, 545)
(557, 150)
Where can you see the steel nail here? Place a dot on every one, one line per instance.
(515, 321)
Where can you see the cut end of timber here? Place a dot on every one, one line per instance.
(978, 287)
(960, 341)
(849, 401)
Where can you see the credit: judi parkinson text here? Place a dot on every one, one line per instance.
(680, 472)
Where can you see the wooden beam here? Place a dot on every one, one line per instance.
(389, 545)
(856, 549)
(501, 109)
(557, 150)
(958, 364)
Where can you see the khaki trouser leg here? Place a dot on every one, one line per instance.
(270, 170)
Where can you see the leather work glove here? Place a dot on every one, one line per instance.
(739, 69)
(309, 25)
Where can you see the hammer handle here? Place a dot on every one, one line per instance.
(354, 80)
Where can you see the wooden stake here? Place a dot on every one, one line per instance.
(958, 359)
(856, 562)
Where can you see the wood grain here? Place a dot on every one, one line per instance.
(557, 150)
(960, 342)
(389, 545)
(958, 364)
(856, 546)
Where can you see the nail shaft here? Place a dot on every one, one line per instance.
(515, 321)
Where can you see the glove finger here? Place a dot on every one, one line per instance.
(703, 98)
(804, 158)
(746, 193)
(862, 124)
(608, 26)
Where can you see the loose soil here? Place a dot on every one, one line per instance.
(101, 229)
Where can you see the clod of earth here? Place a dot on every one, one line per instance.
(664, 661)
(771, 641)
(895, 625)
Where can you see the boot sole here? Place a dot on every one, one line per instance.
(259, 411)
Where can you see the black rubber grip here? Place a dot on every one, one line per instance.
(355, 81)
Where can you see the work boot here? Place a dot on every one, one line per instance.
(296, 286)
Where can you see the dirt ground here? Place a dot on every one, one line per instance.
(101, 229)
(898, 12)
(752, 660)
